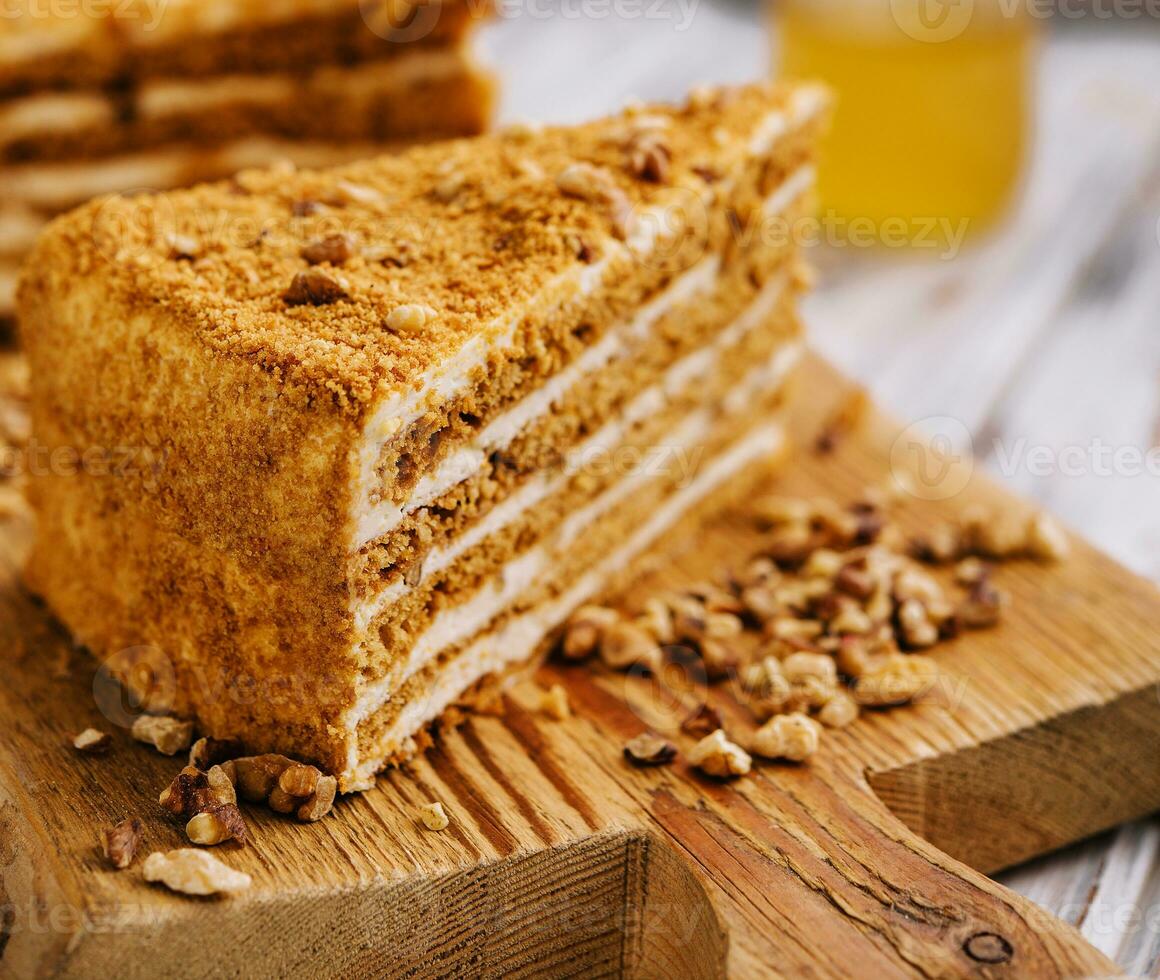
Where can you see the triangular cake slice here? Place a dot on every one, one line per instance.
(344, 448)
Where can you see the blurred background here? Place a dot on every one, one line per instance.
(989, 245)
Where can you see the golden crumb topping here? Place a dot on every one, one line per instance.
(357, 282)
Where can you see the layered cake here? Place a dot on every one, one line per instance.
(153, 94)
(348, 445)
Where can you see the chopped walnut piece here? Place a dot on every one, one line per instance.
(939, 546)
(282, 802)
(770, 691)
(257, 776)
(801, 667)
(333, 249)
(649, 750)
(719, 658)
(841, 710)
(298, 780)
(794, 737)
(346, 192)
(520, 131)
(321, 801)
(759, 677)
(657, 620)
(851, 619)
(993, 534)
(93, 742)
(167, 735)
(410, 318)
(434, 817)
(554, 703)
(918, 632)
(216, 826)
(193, 791)
(971, 571)
(585, 182)
(585, 630)
(823, 563)
(790, 544)
(650, 158)
(761, 571)
(581, 248)
(448, 188)
(855, 582)
(983, 606)
(898, 679)
(183, 248)
(120, 842)
(788, 628)
(1045, 540)
(771, 512)
(207, 752)
(704, 721)
(763, 602)
(314, 287)
(194, 872)
(626, 645)
(716, 756)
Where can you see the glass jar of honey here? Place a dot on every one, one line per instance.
(933, 109)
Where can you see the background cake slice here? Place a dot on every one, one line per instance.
(348, 445)
(151, 95)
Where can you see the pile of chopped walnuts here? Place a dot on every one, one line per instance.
(830, 617)
(205, 795)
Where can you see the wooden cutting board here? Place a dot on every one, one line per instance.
(563, 860)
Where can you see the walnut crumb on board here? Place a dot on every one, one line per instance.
(193, 872)
(794, 737)
(716, 756)
(93, 742)
(120, 843)
(434, 817)
(554, 703)
(167, 735)
(648, 749)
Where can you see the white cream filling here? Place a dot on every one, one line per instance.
(165, 97)
(48, 114)
(53, 113)
(57, 186)
(699, 364)
(459, 623)
(378, 517)
(518, 639)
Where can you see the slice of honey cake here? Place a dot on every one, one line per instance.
(132, 94)
(341, 449)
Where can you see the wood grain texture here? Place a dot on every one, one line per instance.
(563, 860)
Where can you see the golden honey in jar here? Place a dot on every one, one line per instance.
(933, 109)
